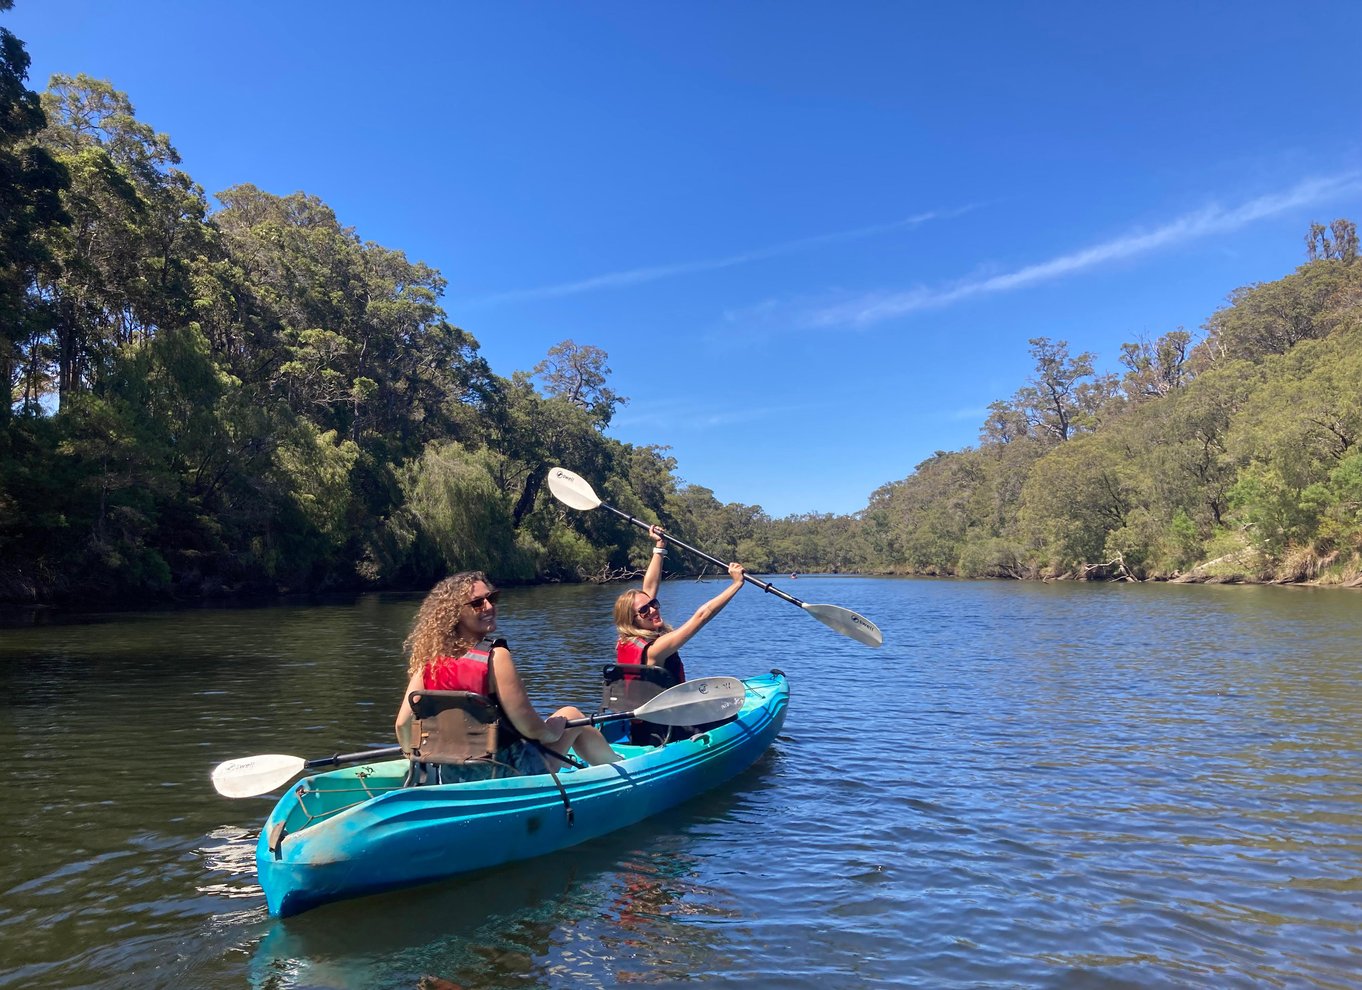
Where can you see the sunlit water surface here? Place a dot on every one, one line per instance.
(1028, 786)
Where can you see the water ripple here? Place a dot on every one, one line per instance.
(1036, 786)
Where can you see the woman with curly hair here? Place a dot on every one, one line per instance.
(446, 652)
(643, 635)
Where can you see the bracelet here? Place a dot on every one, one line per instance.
(659, 551)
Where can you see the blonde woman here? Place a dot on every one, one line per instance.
(644, 637)
(447, 650)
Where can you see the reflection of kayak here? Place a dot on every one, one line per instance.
(358, 831)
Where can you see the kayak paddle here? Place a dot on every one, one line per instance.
(575, 493)
(705, 699)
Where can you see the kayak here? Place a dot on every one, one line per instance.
(357, 831)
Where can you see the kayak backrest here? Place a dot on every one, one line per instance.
(454, 727)
(628, 685)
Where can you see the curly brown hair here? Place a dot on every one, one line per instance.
(626, 619)
(434, 633)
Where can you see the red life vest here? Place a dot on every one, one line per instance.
(636, 651)
(470, 672)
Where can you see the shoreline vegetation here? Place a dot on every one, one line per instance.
(244, 399)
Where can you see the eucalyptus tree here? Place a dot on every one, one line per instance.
(532, 432)
(1272, 317)
(1338, 240)
(1064, 396)
(923, 523)
(349, 333)
(1293, 434)
(1154, 370)
(578, 373)
(31, 184)
(1075, 497)
(136, 225)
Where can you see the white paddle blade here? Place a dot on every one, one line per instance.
(252, 775)
(706, 699)
(847, 622)
(571, 490)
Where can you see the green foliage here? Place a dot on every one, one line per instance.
(461, 519)
(993, 558)
(253, 398)
(1273, 317)
(1074, 497)
(577, 373)
(570, 556)
(1183, 543)
(31, 184)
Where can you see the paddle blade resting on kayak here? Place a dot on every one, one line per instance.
(253, 775)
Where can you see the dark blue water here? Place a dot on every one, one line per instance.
(1028, 786)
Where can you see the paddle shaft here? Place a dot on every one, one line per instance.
(364, 756)
(770, 589)
(367, 755)
(573, 723)
(392, 752)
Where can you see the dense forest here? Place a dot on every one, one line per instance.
(248, 398)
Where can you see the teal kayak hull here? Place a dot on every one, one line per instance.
(357, 831)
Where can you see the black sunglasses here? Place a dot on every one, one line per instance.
(648, 606)
(476, 604)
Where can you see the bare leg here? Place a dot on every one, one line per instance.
(586, 741)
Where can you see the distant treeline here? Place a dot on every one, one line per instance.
(1232, 458)
(252, 399)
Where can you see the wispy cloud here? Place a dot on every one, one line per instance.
(1213, 219)
(636, 276)
(683, 416)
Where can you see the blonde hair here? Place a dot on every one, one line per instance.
(626, 619)
(435, 631)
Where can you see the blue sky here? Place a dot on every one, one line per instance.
(814, 238)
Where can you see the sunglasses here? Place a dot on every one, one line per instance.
(476, 604)
(648, 606)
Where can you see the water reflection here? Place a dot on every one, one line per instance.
(619, 909)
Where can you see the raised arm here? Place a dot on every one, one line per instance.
(652, 577)
(668, 643)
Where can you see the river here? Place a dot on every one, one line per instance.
(1029, 785)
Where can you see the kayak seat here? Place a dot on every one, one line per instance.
(456, 730)
(629, 685)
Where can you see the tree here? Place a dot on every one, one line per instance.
(1065, 395)
(1187, 436)
(922, 523)
(349, 334)
(1271, 318)
(1155, 370)
(1338, 241)
(578, 373)
(136, 222)
(1076, 495)
(31, 182)
(530, 433)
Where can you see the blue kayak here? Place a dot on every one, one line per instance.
(358, 831)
